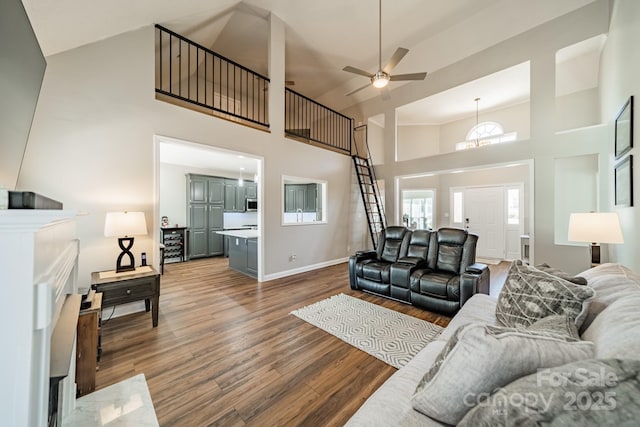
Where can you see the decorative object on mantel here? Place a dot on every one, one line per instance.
(31, 200)
(388, 335)
(124, 225)
(624, 129)
(595, 228)
(623, 182)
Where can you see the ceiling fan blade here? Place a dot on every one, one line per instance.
(413, 76)
(395, 59)
(384, 93)
(354, 70)
(358, 90)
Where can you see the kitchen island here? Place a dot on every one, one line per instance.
(243, 250)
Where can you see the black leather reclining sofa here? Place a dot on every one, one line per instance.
(434, 270)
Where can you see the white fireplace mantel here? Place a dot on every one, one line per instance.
(38, 268)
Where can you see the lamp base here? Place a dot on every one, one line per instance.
(126, 251)
(595, 254)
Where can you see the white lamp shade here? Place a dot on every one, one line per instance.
(595, 227)
(120, 224)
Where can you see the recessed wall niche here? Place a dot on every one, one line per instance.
(441, 122)
(577, 77)
(576, 190)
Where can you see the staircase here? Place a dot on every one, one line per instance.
(370, 193)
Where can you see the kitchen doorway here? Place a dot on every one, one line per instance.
(175, 158)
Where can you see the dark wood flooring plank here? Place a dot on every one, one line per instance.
(227, 352)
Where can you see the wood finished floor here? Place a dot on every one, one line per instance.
(226, 351)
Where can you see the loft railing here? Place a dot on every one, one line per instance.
(307, 119)
(190, 73)
(196, 77)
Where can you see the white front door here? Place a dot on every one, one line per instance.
(484, 216)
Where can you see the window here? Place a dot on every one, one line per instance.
(484, 130)
(513, 206)
(418, 208)
(457, 207)
(486, 133)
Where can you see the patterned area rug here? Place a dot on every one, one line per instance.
(385, 334)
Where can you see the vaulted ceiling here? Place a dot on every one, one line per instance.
(321, 36)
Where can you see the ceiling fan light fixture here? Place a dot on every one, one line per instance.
(380, 79)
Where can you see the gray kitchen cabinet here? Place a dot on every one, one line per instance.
(216, 243)
(216, 223)
(197, 189)
(230, 195)
(198, 246)
(243, 255)
(233, 196)
(236, 195)
(216, 190)
(300, 196)
(240, 204)
(238, 254)
(205, 216)
(252, 257)
(310, 198)
(290, 198)
(251, 190)
(294, 197)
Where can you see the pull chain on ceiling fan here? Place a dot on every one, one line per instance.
(382, 77)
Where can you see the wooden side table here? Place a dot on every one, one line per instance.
(120, 288)
(88, 347)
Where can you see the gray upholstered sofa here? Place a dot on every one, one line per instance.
(612, 325)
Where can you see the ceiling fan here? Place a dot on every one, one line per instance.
(382, 77)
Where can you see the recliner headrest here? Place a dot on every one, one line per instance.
(452, 236)
(420, 237)
(395, 232)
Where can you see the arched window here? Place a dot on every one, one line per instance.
(484, 130)
(486, 133)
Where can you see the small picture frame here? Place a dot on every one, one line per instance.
(624, 129)
(624, 182)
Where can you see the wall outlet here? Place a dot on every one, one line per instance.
(292, 257)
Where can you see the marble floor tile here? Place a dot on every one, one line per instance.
(124, 404)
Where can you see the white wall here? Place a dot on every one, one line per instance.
(539, 46)
(173, 193)
(515, 118)
(91, 146)
(571, 173)
(375, 139)
(417, 141)
(577, 110)
(620, 68)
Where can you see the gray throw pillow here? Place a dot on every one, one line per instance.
(529, 294)
(578, 280)
(593, 392)
(478, 359)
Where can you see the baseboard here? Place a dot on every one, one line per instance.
(489, 261)
(304, 269)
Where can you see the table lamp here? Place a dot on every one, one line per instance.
(123, 225)
(595, 228)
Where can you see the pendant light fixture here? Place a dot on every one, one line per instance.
(240, 180)
(477, 122)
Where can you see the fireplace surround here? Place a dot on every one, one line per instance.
(38, 272)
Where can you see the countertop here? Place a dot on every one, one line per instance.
(245, 234)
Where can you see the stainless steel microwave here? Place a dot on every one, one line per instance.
(251, 205)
